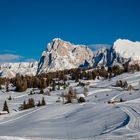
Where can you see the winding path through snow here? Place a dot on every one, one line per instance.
(134, 113)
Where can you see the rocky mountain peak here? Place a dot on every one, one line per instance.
(62, 55)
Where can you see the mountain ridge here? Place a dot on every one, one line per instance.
(61, 55)
(10, 70)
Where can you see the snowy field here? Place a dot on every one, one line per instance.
(95, 119)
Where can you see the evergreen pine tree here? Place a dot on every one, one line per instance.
(53, 85)
(121, 100)
(5, 107)
(43, 101)
(24, 105)
(58, 86)
(31, 103)
(7, 87)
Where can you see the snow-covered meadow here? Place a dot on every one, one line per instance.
(94, 119)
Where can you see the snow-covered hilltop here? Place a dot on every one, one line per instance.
(61, 55)
(127, 49)
(24, 68)
(121, 52)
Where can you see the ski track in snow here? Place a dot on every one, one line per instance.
(131, 110)
(113, 98)
(22, 116)
(24, 95)
(134, 123)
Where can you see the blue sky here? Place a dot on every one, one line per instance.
(26, 26)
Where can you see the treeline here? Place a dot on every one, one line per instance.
(58, 79)
(22, 83)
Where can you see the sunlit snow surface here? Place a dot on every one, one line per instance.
(93, 119)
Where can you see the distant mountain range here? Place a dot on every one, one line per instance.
(10, 70)
(61, 55)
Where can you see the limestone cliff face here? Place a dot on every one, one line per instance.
(62, 55)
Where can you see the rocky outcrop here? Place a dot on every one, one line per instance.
(62, 55)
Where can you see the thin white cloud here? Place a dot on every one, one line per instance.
(9, 57)
(8, 51)
(99, 46)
